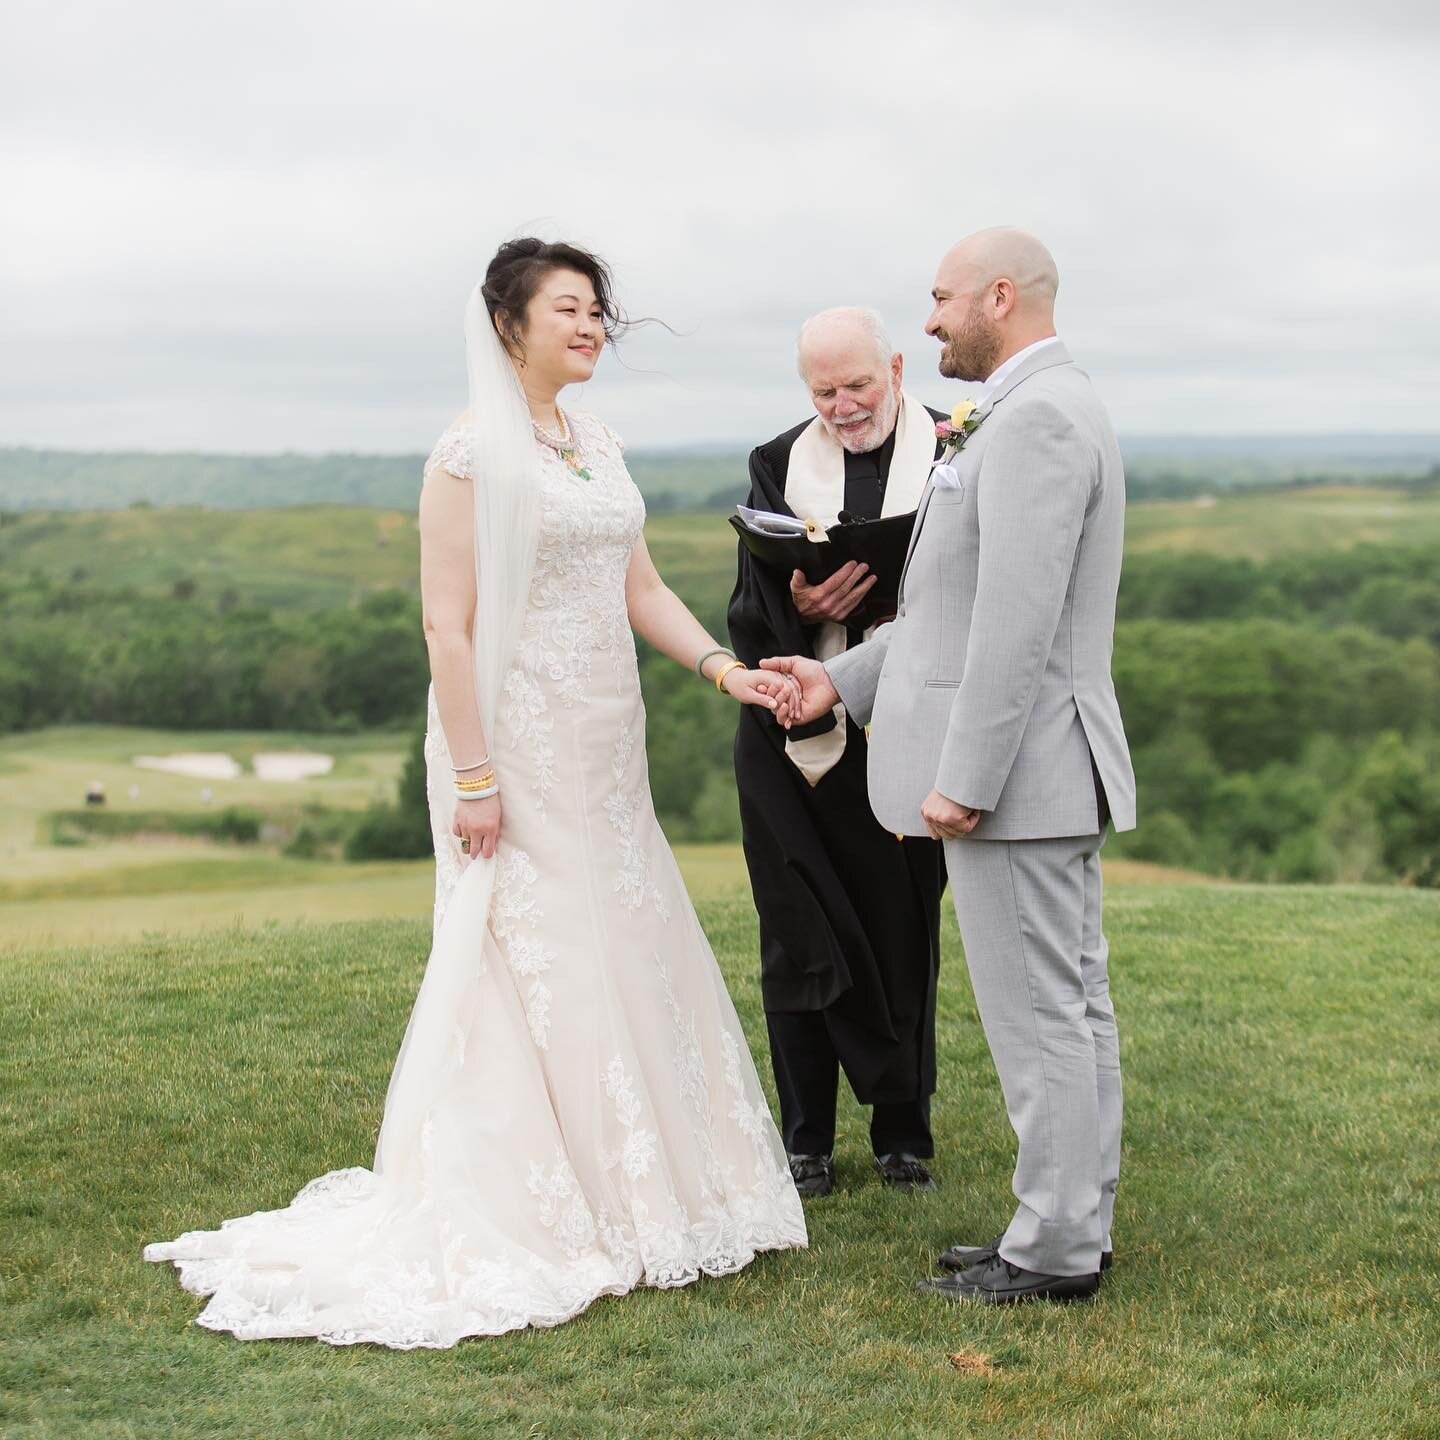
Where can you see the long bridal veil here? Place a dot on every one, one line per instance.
(388, 1255)
(507, 506)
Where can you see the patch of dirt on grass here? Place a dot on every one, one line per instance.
(972, 1362)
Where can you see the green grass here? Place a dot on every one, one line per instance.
(1257, 526)
(1275, 1236)
(46, 772)
(119, 885)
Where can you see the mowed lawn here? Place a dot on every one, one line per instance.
(1276, 1238)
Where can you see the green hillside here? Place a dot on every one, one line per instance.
(1260, 524)
(81, 480)
(33, 479)
(321, 556)
(1277, 658)
(311, 557)
(314, 557)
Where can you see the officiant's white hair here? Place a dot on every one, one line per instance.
(840, 318)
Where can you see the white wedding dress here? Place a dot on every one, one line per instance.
(592, 1120)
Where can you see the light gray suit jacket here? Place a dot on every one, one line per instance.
(992, 685)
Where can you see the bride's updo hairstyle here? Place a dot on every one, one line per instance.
(514, 275)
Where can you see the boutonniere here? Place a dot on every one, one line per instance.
(964, 421)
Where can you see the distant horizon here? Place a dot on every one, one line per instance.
(1271, 442)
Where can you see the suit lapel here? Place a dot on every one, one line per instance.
(1045, 359)
(1051, 355)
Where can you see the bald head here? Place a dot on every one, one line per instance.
(994, 295)
(847, 330)
(1005, 253)
(853, 375)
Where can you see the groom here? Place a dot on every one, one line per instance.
(994, 728)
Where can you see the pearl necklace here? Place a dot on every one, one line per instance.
(563, 444)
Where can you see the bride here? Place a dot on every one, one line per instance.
(573, 1111)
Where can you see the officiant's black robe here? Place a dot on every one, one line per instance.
(849, 915)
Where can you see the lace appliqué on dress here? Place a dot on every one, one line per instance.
(594, 1120)
(634, 883)
(452, 452)
(516, 918)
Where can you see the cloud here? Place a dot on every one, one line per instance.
(253, 227)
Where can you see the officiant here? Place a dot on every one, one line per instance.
(849, 913)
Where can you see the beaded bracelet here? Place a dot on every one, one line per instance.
(478, 788)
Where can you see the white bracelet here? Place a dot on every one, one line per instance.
(484, 794)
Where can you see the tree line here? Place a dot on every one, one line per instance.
(1281, 715)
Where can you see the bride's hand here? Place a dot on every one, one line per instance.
(477, 823)
(778, 693)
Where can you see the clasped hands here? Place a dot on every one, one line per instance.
(810, 693)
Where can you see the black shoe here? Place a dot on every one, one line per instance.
(904, 1171)
(814, 1175)
(966, 1257)
(998, 1282)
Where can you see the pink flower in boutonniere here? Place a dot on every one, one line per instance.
(964, 420)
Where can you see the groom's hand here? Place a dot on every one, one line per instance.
(760, 687)
(944, 819)
(817, 694)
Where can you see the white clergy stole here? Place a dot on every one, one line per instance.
(815, 490)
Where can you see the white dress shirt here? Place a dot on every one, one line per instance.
(999, 377)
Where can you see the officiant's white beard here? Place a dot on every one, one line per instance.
(865, 430)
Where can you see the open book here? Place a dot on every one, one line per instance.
(782, 542)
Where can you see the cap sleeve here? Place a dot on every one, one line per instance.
(452, 453)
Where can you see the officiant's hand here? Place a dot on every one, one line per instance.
(816, 693)
(835, 598)
(944, 819)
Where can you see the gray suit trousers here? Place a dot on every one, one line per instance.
(1029, 913)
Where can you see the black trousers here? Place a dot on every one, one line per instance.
(807, 1075)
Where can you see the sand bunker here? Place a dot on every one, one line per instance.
(292, 765)
(216, 765)
(208, 765)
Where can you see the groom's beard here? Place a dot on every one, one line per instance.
(973, 351)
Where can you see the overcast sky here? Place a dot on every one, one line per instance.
(252, 226)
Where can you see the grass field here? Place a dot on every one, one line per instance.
(1260, 525)
(1275, 1238)
(117, 889)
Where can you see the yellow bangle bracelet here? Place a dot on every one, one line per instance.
(724, 670)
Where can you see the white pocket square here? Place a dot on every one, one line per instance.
(946, 477)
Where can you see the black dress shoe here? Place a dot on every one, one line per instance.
(904, 1171)
(814, 1175)
(998, 1282)
(966, 1257)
